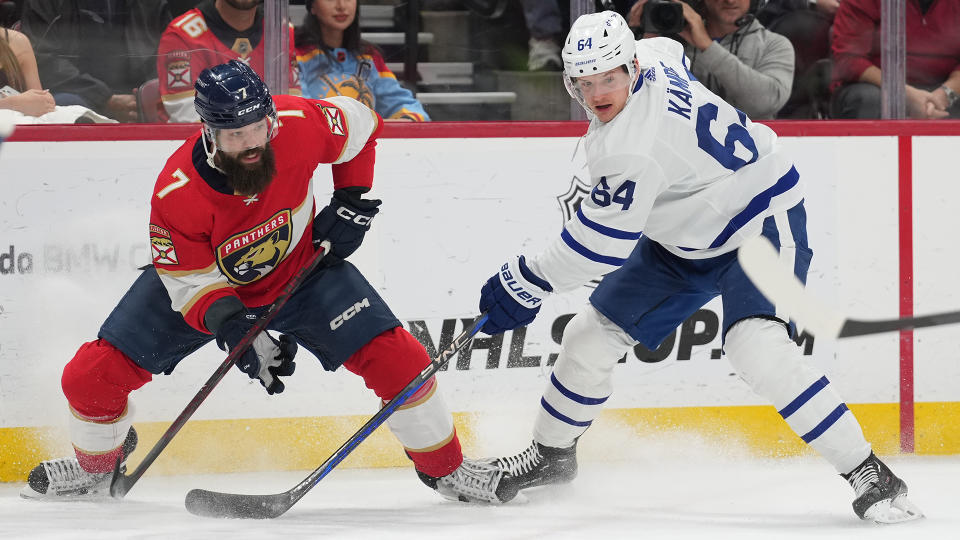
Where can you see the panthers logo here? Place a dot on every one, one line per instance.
(248, 256)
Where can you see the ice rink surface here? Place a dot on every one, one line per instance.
(696, 496)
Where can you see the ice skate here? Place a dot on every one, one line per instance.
(474, 482)
(538, 465)
(881, 496)
(64, 479)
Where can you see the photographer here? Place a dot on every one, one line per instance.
(730, 51)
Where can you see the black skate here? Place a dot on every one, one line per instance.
(881, 496)
(474, 482)
(64, 479)
(538, 465)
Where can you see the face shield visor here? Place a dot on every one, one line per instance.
(591, 89)
(235, 140)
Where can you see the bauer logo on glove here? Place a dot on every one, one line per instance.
(515, 288)
(511, 298)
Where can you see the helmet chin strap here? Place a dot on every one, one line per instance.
(211, 150)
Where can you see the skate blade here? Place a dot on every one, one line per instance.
(102, 496)
(899, 510)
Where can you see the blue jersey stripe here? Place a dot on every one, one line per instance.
(607, 231)
(573, 396)
(830, 420)
(804, 397)
(586, 253)
(561, 417)
(757, 205)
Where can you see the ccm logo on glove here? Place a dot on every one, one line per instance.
(517, 290)
(350, 215)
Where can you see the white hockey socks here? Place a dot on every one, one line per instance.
(765, 357)
(97, 443)
(580, 382)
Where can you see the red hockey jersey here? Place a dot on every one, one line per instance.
(208, 243)
(199, 39)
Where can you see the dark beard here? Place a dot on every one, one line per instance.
(252, 179)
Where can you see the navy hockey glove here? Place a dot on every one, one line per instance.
(343, 222)
(267, 359)
(512, 297)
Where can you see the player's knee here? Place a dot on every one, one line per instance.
(590, 347)
(98, 379)
(389, 361)
(764, 356)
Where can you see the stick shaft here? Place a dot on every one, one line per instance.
(215, 504)
(121, 483)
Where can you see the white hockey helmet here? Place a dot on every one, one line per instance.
(597, 43)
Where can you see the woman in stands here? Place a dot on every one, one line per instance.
(20, 88)
(335, 61)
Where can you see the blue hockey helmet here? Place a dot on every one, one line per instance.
(231, 96)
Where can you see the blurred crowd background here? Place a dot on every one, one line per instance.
(464, 60)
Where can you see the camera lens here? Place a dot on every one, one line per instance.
(668, 17)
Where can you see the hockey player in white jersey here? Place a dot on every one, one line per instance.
(680, 179)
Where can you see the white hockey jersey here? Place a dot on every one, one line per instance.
(678, 165)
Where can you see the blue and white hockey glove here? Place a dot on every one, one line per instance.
(512, 297)
(344, 222)
(267, 359)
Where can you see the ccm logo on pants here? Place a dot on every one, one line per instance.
(349, 313)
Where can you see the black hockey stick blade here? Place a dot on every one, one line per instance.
(761, 262)
(227, 505)
(121, 483)
(206, 503)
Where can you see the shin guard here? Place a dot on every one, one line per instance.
(765, 357)
(423, 424)
(96, 383)
(581, 378)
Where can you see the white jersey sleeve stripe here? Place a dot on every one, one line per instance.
(757, 206)
(587, 253)
(607, 231)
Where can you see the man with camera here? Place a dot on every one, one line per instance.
(729, 50)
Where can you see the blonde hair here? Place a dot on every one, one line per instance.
(10, 65)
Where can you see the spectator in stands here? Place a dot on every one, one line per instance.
(336, 61)
(545, 24)
(95, 53)
(20, 88)
(806, 23)
(213, 33)
(933, 59)
(733, 54)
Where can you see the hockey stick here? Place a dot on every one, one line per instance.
(121, 483)
(201, 502)
(761, 262)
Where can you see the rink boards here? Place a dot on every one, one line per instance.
(458, 200)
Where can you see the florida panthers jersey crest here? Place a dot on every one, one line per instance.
(208, 242)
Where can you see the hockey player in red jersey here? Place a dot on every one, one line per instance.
(210, 34)
(232, 220)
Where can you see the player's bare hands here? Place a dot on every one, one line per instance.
(122, 107)
(32, 102)
(695, 33)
